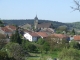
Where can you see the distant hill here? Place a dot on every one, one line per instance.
(20, 22)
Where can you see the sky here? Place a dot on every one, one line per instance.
(54, 10)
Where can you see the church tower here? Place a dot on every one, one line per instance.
(35, 22)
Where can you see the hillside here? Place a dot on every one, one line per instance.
(75, 25)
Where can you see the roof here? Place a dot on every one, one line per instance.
(33, 34)
(44, 25)
(5, 29)
(43, 34)
(36, 18)
(11, 27)
(77, 37)
(59, 35)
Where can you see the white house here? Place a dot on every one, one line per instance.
(32, 36)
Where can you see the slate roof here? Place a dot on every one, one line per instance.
(44, 25)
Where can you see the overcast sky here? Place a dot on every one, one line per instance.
(55, 10)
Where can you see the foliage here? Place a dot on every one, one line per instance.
(69, 54)
(40, 41)
(16, 37)
(3, 41)
(28, 46)
(4, 56)
(1, 24)
(74, 44)
(46, 46)
(14, 50)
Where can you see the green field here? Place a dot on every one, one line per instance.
(43, 56)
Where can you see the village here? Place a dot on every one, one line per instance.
(36, 31)
(37, 40)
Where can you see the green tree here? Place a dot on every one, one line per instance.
(1, 24)
(4, 56)
(61, 29)
(73, 32)
(69, 54)
(28, 46)
(74, 44)
(14, 50)
(46, 46)
(40, 41)
(16, 37)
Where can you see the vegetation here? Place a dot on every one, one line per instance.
(14, 50)
(16, 37)
(1, 24)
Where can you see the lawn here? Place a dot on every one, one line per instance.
(38, 56)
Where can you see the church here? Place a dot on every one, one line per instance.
(37, 26)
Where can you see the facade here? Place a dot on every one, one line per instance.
(32, 36)
(59, 37)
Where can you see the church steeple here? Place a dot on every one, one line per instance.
(35, 22)
(36, 18)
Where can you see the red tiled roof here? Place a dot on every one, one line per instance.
(59, 35)
(77, 37)
(5, 29)
(11, 27)
(33, 34)
(43, 34)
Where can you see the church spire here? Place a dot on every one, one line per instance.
(36, 18)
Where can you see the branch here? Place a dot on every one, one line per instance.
(77, 6)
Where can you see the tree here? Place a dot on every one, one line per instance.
(75, 45)
(40, 41)
(28, 46)
(77, 5)
(1, 23)
(16, 37)
(4, 56)
(14, 50)
(46, 46)
(62, 28)
(73, 32)
(3, 41)
(69, 54)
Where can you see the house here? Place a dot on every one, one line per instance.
(26, 26)
(49, 31)
(5, 30)
(34, 36)
(77, 38)
(59, 37)
(8, 30)
(31, 36)
(11, 27)
(42, 34)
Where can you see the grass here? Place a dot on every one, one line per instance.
(38, 56)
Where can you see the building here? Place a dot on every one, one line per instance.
(31, 36)
(35, 22)
(7, 30)
(59, 37)
(77, 38)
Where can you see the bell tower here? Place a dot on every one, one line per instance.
(35, 22)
